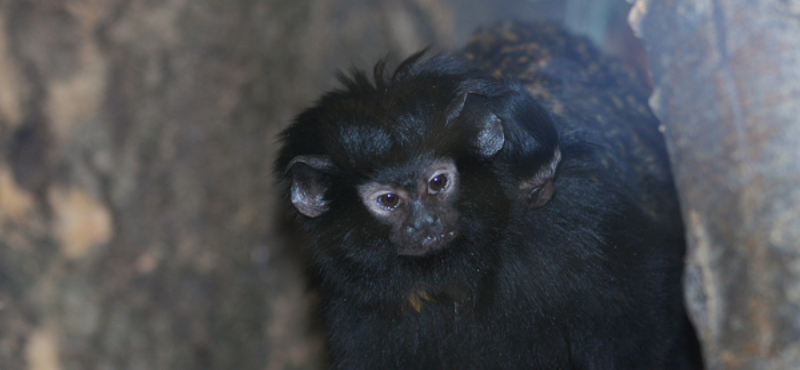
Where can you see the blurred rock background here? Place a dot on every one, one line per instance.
(139, 227)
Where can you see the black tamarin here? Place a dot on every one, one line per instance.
(509, 206)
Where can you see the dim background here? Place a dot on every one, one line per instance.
(139, 222)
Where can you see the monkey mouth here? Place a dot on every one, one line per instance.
(437, 241)
(430, 243)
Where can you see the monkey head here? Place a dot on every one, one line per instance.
(415, 162)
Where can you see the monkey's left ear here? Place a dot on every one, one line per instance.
(310, 182)
(469, 106)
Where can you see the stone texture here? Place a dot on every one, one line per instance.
(726, 89)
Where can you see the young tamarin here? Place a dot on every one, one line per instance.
(509, 206)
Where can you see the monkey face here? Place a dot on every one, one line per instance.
(422, 215)
(429, 159)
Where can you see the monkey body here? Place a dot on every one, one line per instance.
(531, 308)
(460, 221)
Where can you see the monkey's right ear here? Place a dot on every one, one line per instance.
(310, 181)
(471, 107)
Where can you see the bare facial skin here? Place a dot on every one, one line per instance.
(423, 217)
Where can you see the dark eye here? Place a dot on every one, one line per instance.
(389, 200)
(437, 183)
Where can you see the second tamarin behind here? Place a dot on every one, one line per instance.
(510, 207)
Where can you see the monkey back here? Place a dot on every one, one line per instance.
(590, 95)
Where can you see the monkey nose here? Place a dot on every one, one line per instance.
(422, 222)
(420, 230)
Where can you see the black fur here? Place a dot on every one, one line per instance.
(586, 280)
